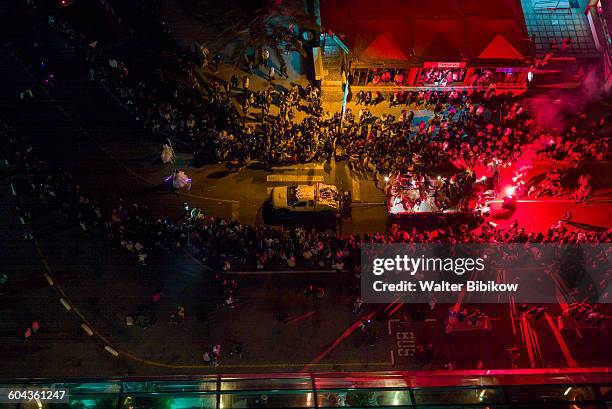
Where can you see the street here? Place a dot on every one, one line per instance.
(82, 129)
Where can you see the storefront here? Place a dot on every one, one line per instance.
(415, 45)
(440, 75)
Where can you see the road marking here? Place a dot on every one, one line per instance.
(136, 358)
(303, 166)
(539, 201)
(527, 339)
(406, 343)
(65, 304)
(369, 203)
(394, 310)
(295, 178)
(87, 329)
(338, 341)
(235, 211)
(356, 188)
(111, 351)
(571, 362)
(281, 272)
(105, 151)
(301, 317)
(49, 279)
(431, 319)
(389, 324)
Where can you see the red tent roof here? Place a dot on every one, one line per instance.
(381, 48)
(500, 49)
(414, 31)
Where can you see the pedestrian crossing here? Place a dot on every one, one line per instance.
(307, 173)
(310, 173)
(302, 174)
(303, 179)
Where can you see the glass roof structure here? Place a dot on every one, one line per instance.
(585, 389)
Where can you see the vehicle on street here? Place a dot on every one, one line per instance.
(319, 198)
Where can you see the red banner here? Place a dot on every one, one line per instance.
(444, 64)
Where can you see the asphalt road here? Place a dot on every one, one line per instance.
(83, 130)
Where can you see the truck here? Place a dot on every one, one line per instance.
(319, 198)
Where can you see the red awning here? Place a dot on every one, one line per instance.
(381, 48)
(500, 49)
(475, 31)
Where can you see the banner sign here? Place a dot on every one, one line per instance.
(444, 64)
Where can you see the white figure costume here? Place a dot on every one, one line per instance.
(181, 180)
(167, 155)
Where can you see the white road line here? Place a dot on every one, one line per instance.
(369, 203)
(294, 178)
(235, 211)
(538, 201)
(106, 151)
(355, 188)
(304, 166)
(281, 272)
(389, 324)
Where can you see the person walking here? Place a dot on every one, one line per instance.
(3, 281)
(265, 57)
(271, 74)
(237, 351)
(245, 84)
(206, 357)
(216, 355)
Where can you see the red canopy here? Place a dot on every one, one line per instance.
(414, 31)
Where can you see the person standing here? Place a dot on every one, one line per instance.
(271, 74)
(3, 281)
(237, 351)
(245, 84)
(206, 357)
(265, 56)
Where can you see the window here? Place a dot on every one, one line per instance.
(300, 204)
(458, 395)
(292, 195)
(363, 398)
(268, 399)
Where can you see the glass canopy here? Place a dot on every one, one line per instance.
(363, 390)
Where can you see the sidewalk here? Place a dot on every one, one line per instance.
(187, 30)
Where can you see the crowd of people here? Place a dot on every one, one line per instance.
(584, 313)
(227, 245)
(466, 128)
(469, 128)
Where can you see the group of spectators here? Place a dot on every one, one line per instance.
(467, 128)
(226, 245)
